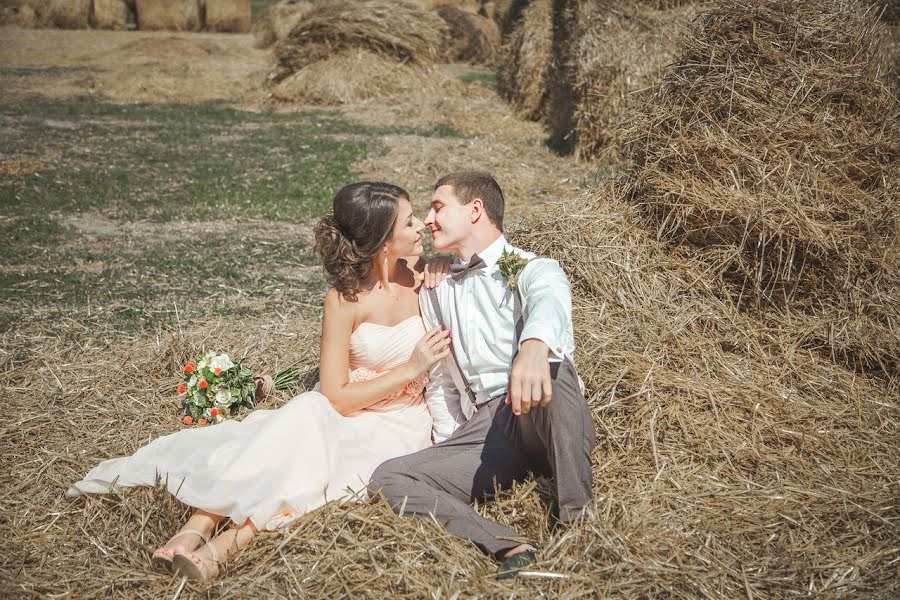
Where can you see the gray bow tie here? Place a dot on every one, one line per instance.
(458, 272)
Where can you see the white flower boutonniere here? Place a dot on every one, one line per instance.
(510, 264)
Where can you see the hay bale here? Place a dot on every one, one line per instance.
(168, 15)
(506, 13)
(706, 413)
(615, 49)
(472, 38)
(771, 151)
(526, 61)
(18, 12)
(276, 21)
(232, 16)
(350, 77)
(62, 14)
(110, 14)
(395, 30)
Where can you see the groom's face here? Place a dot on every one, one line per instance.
(448, 220)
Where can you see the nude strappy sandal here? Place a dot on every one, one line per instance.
(165, 562)
(185, 565)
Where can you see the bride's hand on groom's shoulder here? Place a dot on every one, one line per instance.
(436, 270)
(529, 379)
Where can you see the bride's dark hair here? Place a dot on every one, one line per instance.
(348, 240)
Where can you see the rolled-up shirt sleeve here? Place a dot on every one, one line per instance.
(440, 391)
(546, 304)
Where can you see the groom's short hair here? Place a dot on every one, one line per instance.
(468, 185)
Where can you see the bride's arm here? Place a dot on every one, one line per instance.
(348, 397)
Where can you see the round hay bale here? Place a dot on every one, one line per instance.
(18, 13)
(618, 49)
(230, 16)
(777, 167)
(472, 38)
(526, 61)
(395, 30)
(349, 77)
(168, 15)
(276, 21)
(62, 14)
(110, 14)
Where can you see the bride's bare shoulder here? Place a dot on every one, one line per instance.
(337, 307)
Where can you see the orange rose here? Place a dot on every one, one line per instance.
(182, 389)
(201, 421)
(218, 371)
(214, 412)
(189, 368)
(187, 420)
(203, 384)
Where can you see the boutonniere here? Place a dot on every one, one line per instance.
(510, 264)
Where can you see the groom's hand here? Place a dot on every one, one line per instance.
(529, 379)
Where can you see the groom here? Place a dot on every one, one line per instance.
(508, 401)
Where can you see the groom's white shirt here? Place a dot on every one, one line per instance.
(479, 311)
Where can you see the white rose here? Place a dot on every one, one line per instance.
(223, 397)
(192, 381)
(221, 362)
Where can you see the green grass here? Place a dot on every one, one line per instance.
(257, 6)
(486, 78)
(122, 212)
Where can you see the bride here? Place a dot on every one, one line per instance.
(276, 465)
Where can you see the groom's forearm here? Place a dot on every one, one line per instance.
(547, 305)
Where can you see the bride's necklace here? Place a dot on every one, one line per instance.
(380, 290)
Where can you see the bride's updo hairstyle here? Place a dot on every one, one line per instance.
(363, 219)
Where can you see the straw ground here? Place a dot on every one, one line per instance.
(732, 461)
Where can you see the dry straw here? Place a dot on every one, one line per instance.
(617, 50)
(168, 15)
(227, 15)
(472, 38)
(355, 76)
(770, 150)
(110, 14)
(61, 14)
(276, 21)
(395, 30)
(522, 76)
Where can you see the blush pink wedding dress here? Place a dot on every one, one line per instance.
(276, 465)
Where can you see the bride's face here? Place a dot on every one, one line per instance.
(406, 239)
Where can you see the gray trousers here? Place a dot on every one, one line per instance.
(490, 451)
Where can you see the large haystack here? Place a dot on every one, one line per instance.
(395, 30)
(168, 15)
(612, 50)
(527, 61)
(231, 16)
(719, 441)
(276, 21)
(351, 77)
(110, 14)
(472, 38)
(771, 150)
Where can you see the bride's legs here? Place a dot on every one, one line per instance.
(192, 535)
(206, 560)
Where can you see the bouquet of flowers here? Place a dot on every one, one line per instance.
(215, 388)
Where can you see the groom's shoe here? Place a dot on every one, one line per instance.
(512, 566)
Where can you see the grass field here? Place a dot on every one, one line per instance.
(117, 214)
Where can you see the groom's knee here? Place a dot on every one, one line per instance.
(385, 479)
